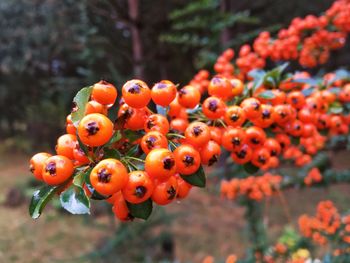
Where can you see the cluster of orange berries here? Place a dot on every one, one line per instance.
(255, 188)
(308, 40)
(289, 112)
(326, 224)
(256, 129)
(313, 176)
(256, 123)
(120, 179)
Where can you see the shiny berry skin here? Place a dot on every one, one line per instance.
(183, 188)
(251, 107)
(37, 164)
(179, 125)
(153, 140)
(134, 118)
(260, 157)
(187, 159)
(138, 188)
(237, 87)
(255, 136)
(109, 176)
(163, 93)
(213, 108)
(120, 208)
(234, 116)
(95, 107)
(104, 93)
(233, 138)
(189, 97)
(197, 134)
(220, 87)
(160, 164)
(57, 169)
(273, 146)
(95, 129)
(66, 144)
(242, 155)
(210, 153)
(157, 122)
(165, 192)
(136, 93)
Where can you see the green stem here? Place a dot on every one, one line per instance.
(172, 144)
(176, 135)
(134, 158)
(256, 229)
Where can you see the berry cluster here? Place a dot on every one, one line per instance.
(255, 188)
(327, 224)
(118, 168)
(308, 40)
(313, 176)
(143, 156)
(151, 145)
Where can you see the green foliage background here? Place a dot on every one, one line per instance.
(51, 48)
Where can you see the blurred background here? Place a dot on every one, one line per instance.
(49, 49)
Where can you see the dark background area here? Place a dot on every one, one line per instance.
(51, 48)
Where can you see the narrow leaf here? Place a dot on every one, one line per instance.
(267, 94)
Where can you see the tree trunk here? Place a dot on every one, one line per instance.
(225, 33)
(136, 39)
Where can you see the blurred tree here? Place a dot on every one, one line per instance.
(205, 27)
(36, 78)
(51, 48)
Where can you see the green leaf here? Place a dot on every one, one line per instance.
(250, 168)
(82, 146)
(295, 140)
(133, 135)
(80, 177)
(111, 153)
(142, 210)
(323, 132)
(267, 94)
(75, 201)
(40, 199)
(274, 76)
(196, 179)
(133, 150)
(94, 194)
(116, 137)
(335, 108)
(80, 100)
(258, 75)
(279, 70)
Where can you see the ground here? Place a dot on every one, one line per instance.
(204, 223)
